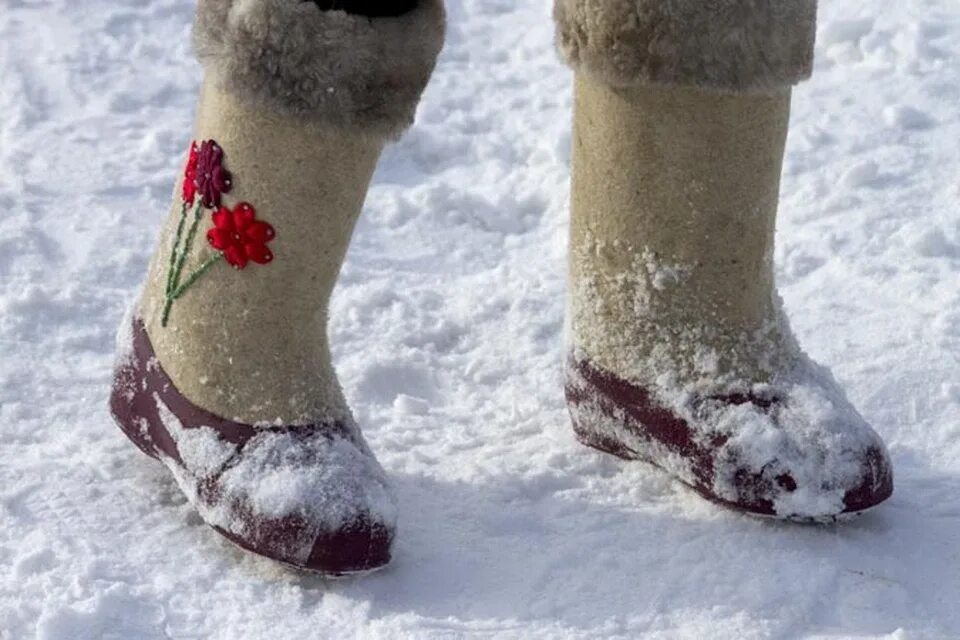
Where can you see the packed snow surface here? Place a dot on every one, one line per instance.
(447, 328)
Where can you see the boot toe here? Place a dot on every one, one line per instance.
(876, 485)
(359, 547)
(795, 450)
(318, 503)
(808, 456)
(802, 494)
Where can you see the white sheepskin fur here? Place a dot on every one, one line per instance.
(321, 66)
(731, 46)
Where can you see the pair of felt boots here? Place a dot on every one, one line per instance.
(679, 353)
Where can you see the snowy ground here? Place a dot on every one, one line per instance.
(447, 327)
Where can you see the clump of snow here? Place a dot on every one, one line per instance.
(326, 480)
(933, 243)
(410, 405)
(861, 174)
(849, 31)
(662, 275)
(202, 451)
(907, 117)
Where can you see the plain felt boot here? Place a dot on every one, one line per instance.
(224, 371)
(680, 353)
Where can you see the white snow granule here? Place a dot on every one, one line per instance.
(202, 451)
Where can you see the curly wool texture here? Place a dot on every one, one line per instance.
(321, 66)
(731, 46)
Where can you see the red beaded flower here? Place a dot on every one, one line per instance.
(240, 236)
(210, 178)
(190, 175)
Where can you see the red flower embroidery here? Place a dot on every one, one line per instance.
(237, 235)
(211, 179)
(240, 236)
(190, 175)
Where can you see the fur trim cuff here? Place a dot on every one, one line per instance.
(332, 67)
(732, 46)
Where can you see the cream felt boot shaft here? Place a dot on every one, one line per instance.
(301, 101)
(680, 354)
(251, 345)
(673, 206)
(224, 371)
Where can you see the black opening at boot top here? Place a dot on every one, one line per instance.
(369, 8)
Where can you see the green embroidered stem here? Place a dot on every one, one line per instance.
(190, 281)
(166, 312)
(178, 260)
(196, 275)
(176, 246)
(187, 245)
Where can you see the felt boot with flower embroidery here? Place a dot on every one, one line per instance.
(680, 353)
(224, 372)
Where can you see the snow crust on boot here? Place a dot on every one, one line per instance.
(723, 45)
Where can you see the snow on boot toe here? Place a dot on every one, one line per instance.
(806, 454)
(812, 439)
(312, 500)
